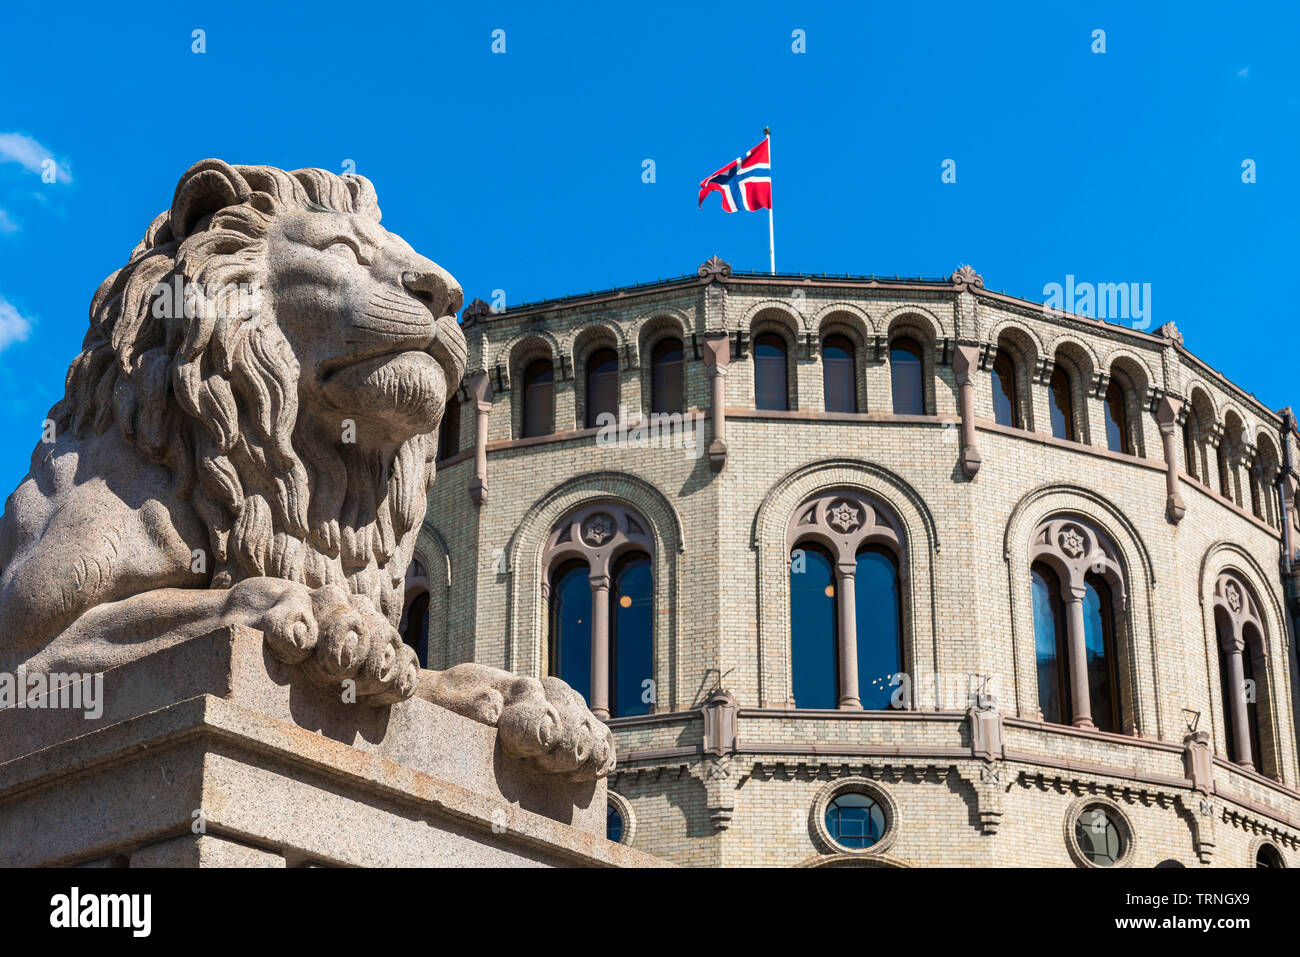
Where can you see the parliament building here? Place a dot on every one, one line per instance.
(870, 571)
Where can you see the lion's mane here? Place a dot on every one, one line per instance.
(214, 396)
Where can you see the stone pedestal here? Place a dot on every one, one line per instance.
(215, 754)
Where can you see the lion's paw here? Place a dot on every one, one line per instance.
(357, 643)
(549, 723)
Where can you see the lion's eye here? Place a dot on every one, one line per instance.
(343, 251)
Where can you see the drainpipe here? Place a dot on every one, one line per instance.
(480, 390)
(717, 355)
(1286, 489)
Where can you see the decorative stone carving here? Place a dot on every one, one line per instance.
(259, 461)
(844, 517)
(968, 275)
(598, 529)
(475, 312)
(1243, 634)
(1170, 331)
(714, 268)
(1072, 542)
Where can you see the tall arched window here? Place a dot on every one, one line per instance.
(666, 377)
(1006, 404)
(449, 430)
(1062, 405)
(1078, 590)
(631, 636)
(1117, 432)
(846, 607)
(770, 381)
(879, 626)
(571, 626)
(839, 374)
(1243, 673)
(906, 376)
(1049, 645)
(414, 623)
(539, 398)
(1189, 447)
(602, 385)
(601, 593)
(1225, 473)
(813, 626)
(1256, 496)
(1099, 639)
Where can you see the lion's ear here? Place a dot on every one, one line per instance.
(207, 186)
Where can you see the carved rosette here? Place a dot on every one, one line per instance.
(597, 534)
(842, 522)
(1074, 549)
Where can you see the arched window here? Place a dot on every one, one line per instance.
(449, 430)
(602, 385)
(631, 636)
(879, 626)
(571, 626)
(1189, 447)
(1243, 672)
(906, 376)
(1006, 404)
(1225, 473)
(1062, 405)
(1049, 645)
(666, 377)
(1270, 857)
(1099, 640)
(846, 605)
(813, 627)
(770, 382)
(1256, 496)
(1078, 590)
(601, 592)
(416, 633)
(839, 374)
(539, 398)
(1117, 432)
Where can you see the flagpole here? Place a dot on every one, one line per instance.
(771, 235)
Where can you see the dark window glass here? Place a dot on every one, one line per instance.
(1099, 647)
(839, 375)
(880, 635)
(1269, 856)
(613, 824)
(1252, 706)
(631, 622)
(813, 625)
(1062, 403)
(571, 627)
(1189, 449)
(1098, 835)
(666, 377)
(1049, 645)
(769, 372)
(905, 369)
(855, 820)
(416, 633)
(1117, 437)
(449, 431)
(539, 398)
(1006, 407)
(1250, 690)
(602, 385)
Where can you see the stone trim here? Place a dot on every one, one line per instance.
(627, 813)
(853, 785)
(1125, 827)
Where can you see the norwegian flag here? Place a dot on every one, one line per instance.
(745, 183)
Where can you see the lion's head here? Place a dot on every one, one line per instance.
(288, 359)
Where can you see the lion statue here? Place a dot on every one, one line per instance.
(248, 437)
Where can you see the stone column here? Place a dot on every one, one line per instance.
(964, 360)
(1236, 679)
(480, 389)
(600, 646)
(1077, 649)
(1167, 417)
(846, 600)
(717, 356)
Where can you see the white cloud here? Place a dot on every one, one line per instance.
(28, 153)
(14, 326)
(7, 225)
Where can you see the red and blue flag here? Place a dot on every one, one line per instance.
(745, 183)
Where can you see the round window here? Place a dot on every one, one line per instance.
(855, 820)
(1099, 835)
(613, 824)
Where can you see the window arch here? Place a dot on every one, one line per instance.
(1118, 436)
(1077, 587)
(539, 398)
(771, 382)
(666, 393)
(1061, 405)
(449, 430)
(602, 386)
(906, 374)
(839, 374)
(414, 623)
(846, 608)
(1006, 394)
(1243, 674)
(600, 592)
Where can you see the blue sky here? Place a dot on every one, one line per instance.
(522, 171)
